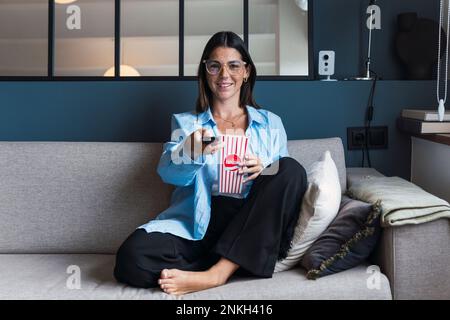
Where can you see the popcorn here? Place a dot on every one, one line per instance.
(230, 156)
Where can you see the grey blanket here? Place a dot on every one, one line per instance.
(401, 201)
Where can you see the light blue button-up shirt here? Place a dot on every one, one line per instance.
(189, 212)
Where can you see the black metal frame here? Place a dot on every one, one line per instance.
(180, 77)
(51, 37)
(117, 38)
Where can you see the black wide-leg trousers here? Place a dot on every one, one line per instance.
(253, 232)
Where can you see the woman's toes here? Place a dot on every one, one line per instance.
(164, 274)
(169, 290)
(172, 273)
(164, 287)
(168, 273)
(165, 281)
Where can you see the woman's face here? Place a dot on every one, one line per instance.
(230, 69)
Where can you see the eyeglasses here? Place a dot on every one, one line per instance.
(234, 67)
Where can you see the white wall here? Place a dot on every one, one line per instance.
(430, 167)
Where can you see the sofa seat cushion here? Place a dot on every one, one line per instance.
(50, 276)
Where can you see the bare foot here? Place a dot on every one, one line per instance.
(177, 282)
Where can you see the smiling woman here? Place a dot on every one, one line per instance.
(209, 232)
(226, 82)
(226, 79)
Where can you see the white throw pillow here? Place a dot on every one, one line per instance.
(319, 207)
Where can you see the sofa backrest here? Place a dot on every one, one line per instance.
(87, 197)
(309, 151)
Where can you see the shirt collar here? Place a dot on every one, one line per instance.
(253, 115)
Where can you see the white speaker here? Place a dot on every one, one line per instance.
(326, 63)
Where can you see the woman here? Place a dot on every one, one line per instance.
(206, 236)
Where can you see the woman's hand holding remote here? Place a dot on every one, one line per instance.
(205, 138)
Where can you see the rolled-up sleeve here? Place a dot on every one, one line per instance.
(176, 167)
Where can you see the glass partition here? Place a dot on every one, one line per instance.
(203, 18)
(150, 37)
(84, 34)
(84, 38)
(278, 37)
(23, 37)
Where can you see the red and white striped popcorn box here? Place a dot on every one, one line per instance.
(230, 156)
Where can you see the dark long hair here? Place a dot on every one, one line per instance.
(226, 39)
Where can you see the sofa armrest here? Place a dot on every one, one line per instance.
(415, 258)
(358, 173)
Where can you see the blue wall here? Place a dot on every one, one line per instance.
(140, 110)
(340, 25)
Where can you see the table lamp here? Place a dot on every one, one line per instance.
(370, 25)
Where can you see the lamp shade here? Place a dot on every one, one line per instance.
(125, 70)
(302, 4)
(64, 1)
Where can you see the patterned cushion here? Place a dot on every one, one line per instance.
(348, 240)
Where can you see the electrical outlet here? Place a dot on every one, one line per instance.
(377, 137)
